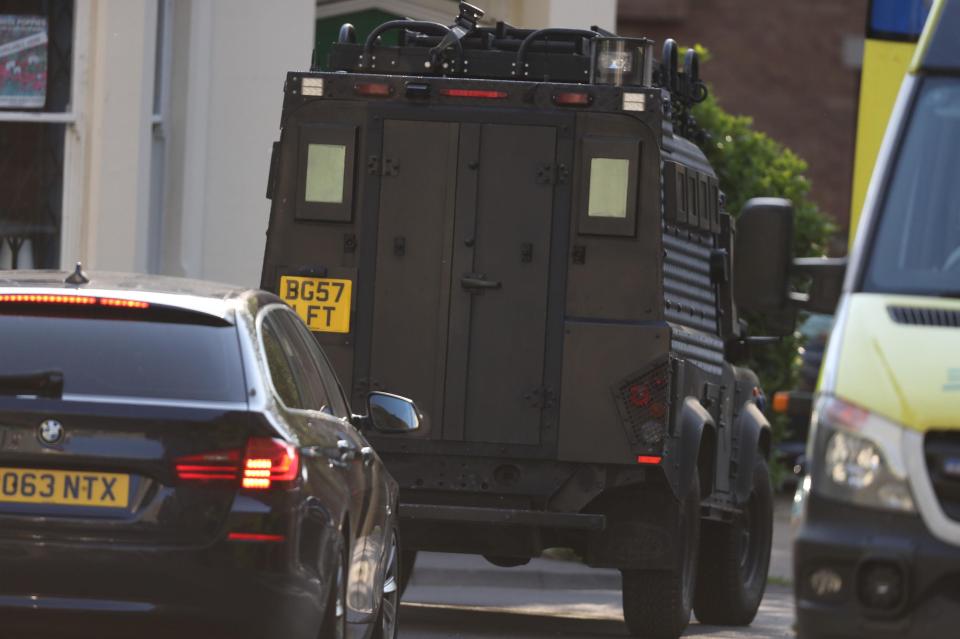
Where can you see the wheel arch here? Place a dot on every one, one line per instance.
(756, 438)
(696, 449)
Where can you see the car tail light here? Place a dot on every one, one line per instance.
(264, 463)
(572, 98)
(74, 300)
(218, 466)
(473, 93)
(649, 459)
(267, 461)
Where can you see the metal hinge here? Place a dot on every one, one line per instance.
(552, 174)
(385, 166)
(541, 397)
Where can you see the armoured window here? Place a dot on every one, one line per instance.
(609, 180)
(608, 186)
(325, 173)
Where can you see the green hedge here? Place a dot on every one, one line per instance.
(749, 164)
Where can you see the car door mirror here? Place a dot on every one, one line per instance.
(392, 413)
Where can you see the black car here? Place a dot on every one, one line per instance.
(177, 458)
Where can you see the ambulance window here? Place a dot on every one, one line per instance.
(608, 200)
(609, 179)
(325, 170)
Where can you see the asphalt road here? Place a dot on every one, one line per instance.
(461, 596)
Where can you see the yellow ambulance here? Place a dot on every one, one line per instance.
(878, 551)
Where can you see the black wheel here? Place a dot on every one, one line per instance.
(657, 603)
(335, 619)
(408, 558)
(735, 558)
(386, 626)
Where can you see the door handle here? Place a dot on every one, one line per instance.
(478, 281)
(340, 455)
(347, 451)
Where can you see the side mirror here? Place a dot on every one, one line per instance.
(763, 253)
(392, 413)
(763, 266)
(826, 282)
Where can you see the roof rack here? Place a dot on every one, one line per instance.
(504, 52)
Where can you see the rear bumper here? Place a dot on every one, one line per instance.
(848, 541)
(229, 589)
(501, 516)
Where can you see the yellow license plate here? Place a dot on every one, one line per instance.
(64, 488)
(321, 302)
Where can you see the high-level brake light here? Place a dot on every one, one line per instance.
(72, 300)
(474, 93)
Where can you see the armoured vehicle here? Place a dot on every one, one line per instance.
(512, 228)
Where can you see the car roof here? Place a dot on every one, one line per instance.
(212, 298)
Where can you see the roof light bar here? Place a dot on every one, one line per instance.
(474, 93)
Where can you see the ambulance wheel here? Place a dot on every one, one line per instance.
(657, 603)
(735, 558)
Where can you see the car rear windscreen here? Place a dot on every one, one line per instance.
(126, 358)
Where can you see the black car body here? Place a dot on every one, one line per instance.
(210, 478)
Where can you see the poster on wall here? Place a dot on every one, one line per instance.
(23, 62)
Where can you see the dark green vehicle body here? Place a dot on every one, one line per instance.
(566, 348)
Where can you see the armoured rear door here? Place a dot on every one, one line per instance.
(495, 376)
(462, 275)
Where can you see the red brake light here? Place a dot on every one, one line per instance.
(379, 89)
(235, 536)
(572, 98)
(48, 299)
(76, 300)
(649, 459)
(267, 461)
(473, 93)
(221, 465)
(109, 301)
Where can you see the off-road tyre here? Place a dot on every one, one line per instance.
(735, 558)
(335, 618)
(657, 603)
(408, 559)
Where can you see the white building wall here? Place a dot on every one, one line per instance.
(116, 119)
(217, 124)
(573, 14)
(230, 61)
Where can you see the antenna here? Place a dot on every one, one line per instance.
(78, 277)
